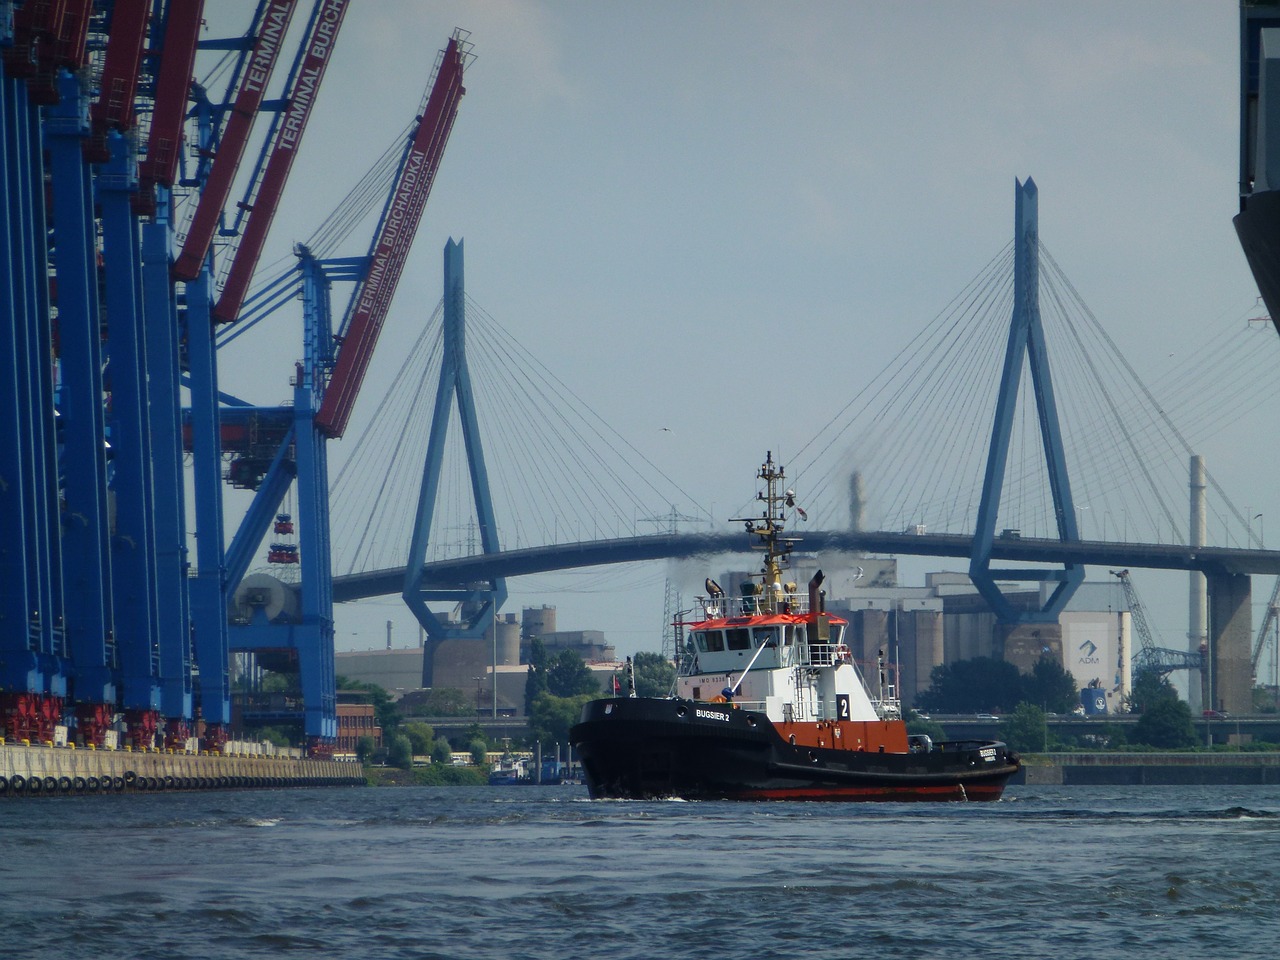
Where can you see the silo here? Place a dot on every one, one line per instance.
(923, 653)
(507, 639)
(538, 621)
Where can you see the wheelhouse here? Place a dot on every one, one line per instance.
(770, 642)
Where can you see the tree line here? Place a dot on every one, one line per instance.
(988, 685)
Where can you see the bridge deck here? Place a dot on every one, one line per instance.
(590, 553)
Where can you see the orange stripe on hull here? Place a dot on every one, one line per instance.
(871, 736)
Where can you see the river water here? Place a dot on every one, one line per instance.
(543, 872)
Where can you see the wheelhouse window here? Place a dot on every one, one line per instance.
(739, 638)
(710, 641)
(763, 635)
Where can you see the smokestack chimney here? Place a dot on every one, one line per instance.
(815, 593)
(857, 503)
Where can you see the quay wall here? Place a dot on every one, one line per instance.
(1149, 769)
(28, 771)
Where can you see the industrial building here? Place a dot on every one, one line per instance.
(494, 668)
(914, 628)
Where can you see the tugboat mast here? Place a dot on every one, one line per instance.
(768, 527)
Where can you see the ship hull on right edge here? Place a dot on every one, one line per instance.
(1258, 227)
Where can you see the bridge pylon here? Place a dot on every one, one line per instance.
(480, 600)
(1026, 343)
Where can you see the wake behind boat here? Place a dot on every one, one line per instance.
(770, 705)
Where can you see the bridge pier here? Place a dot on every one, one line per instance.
(1228, 678)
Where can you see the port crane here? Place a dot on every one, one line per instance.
(255, 70)
(276, 159)
(371, 299)
(285, 627)
(115, 625)
(1150, 656)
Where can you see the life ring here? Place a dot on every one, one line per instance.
(843, 654)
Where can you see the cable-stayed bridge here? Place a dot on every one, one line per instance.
(1002, 429)
(908, 452)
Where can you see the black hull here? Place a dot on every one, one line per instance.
(648, 749)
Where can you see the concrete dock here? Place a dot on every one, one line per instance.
(1150, 769)
(42, 770)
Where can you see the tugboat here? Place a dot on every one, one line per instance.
(770, 705)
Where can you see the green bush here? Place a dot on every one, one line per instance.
(400, 752)
(441, 752)
(421, 736)
(445, 775)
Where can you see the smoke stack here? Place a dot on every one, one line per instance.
(857, 503)
(815, 593)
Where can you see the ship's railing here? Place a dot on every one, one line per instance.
(753, 606)
(888, 709)
(828, 654)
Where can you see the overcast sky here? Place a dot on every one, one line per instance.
(642, 184)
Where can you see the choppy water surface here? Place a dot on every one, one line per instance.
(544, 872)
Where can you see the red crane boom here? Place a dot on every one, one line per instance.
(172, 83)
(399, 223)
(235, 135)
(287, 138)
(120, 67)
(73, 33)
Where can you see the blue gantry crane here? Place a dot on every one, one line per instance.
(277, 625)
(110, 302)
